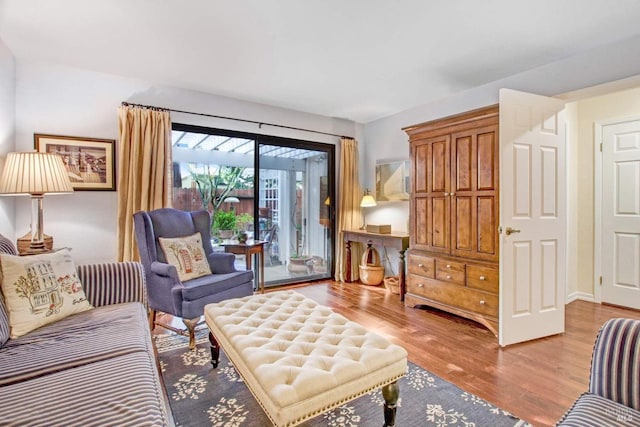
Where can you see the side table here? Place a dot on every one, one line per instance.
(396, 240)
(249, 249)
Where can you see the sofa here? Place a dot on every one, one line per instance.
(613, 398)
(93, 368)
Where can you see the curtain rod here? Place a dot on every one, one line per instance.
(260, 124)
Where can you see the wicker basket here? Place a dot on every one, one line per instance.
(371, 272)
(392, 283)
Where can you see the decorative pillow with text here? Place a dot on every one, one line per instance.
(40, 289)
(187, 255)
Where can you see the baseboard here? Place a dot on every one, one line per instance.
(582, 296)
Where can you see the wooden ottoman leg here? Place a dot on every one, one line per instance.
(391, 393)
(215, 350)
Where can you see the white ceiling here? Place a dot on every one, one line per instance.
(354, 59)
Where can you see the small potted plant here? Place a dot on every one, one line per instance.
(225, 224)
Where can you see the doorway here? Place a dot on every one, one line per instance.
(294, 182)
(620, 213)
(269, 189)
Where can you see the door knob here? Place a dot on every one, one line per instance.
(508, 231)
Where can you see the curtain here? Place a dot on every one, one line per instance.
(348, 214)
(144, 173)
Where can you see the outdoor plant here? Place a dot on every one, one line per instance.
(225, 220)
(244, 221)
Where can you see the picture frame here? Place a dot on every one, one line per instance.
(392, 180)
(90, 162)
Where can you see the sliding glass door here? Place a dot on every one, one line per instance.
(275, 190)
(295, 206)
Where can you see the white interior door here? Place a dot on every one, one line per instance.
(532, 216)
(621, 214)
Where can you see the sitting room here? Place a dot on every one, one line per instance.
(331, 214)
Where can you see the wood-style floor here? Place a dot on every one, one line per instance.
(536, 381)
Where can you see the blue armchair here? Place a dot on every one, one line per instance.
(165, 292)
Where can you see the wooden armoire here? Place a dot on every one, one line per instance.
(454, 242)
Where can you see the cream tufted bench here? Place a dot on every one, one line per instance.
(299, 358)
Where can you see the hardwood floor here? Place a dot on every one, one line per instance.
(536, 381)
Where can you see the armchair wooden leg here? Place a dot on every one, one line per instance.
(152, 320)
(191, 327)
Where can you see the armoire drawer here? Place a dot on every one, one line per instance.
(450, 271)
(483, 278)
(422, 265)
(453, 295)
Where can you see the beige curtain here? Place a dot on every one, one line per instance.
(349, 215)
(144, 172)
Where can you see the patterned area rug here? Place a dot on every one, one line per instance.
(202, 396)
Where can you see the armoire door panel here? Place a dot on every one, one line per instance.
(420, 174)
(462, 225)
(463, 162)
(440, 224)
(487, 166)
(421, 221)
(439, 166)
(487, 223)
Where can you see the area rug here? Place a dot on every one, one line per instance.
(203, 396)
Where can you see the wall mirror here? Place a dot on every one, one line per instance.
(392, 180)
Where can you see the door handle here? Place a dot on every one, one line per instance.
(508, 231)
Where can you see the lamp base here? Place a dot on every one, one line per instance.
(24, 245)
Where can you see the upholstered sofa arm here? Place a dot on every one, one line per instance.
(113, 283)
(221, 263)
(615, 365)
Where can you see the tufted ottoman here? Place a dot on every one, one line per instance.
(299, 358)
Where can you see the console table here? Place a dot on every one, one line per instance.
(249, 249)
(396, 240)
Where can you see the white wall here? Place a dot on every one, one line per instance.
(68, 101)
(385, 138)
(7, 132)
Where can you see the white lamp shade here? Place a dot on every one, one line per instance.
(34, 173)
(367, 200)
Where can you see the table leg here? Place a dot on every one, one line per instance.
(261, 254)
(401, 267)
(247, 256)
(391, 393)
(215, 350)
(347, 262)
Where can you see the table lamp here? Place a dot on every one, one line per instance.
(366, 202)
(34, 174)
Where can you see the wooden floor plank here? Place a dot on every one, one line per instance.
(536, 381)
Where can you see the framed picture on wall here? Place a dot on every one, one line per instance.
(392, 180)
(90, 162)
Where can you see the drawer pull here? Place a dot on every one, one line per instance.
(448, 265)
(446, 194)
(448, 277)
(420, 285)
(420, 265)
(483, 278)
(482, 302)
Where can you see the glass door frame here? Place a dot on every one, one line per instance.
(260, 139)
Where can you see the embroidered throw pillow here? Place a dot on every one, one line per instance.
(187, 255)
(40, 289)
